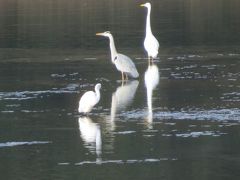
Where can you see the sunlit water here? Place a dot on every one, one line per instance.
(183, 124)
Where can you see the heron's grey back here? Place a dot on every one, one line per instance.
(125, 64)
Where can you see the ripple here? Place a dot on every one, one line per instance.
(26, 95)
(99, 161)
(231, 97)
(125, 132)
(213, 115)
(7, 111)
(218, 115)
(198, 134)
(58, 75)
(12, 144)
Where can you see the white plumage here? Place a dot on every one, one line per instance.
(151, 44)
(89, 100)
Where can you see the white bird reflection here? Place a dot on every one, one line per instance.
(90, 133)
(151, 81)
(123, 97)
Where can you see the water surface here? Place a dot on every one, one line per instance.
(179, 120)
(182, 125)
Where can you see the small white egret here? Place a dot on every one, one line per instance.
(151, 44)
(122, 62)
(89, 100)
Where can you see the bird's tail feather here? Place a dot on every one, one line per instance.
(134, 74)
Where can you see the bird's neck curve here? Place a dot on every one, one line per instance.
(148, 23)
(97, 91)
(112, 48)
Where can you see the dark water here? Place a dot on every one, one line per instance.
(179, 120)
(61, 23)
(190, 132)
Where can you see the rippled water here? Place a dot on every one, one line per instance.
(180, 120)
(182, 125)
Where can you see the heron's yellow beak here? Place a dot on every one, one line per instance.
(142, 5)
(99, 34)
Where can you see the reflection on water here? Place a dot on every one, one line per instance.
(90, 133)
(192, 113)
(195, 112)
(151, 79)
(122, 97)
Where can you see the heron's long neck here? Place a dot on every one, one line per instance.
(148, 23)
(97, 91)
(112, 48)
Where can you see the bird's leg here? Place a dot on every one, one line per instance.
(152, 60)
(126, 76)
(122, 76)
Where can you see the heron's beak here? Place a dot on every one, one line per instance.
(142, 5)
(99, 34)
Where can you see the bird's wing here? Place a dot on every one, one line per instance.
(156, 43)
(151, 45)
(125, 64)
(88, 99)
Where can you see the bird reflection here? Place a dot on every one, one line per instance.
(90, 133)
(151, 81)
(123, 97)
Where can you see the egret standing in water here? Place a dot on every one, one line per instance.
(89, 100)
(151, 44)
(122, 62)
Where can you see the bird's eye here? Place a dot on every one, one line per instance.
(115, 58)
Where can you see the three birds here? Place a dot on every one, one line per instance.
(122, 62)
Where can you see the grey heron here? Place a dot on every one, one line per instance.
(151, 44)
(122, 62)
(89, 100)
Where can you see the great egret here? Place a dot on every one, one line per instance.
(89, 100)
(122, 62)
(151, 44)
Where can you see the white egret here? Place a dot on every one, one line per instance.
(89, 100)
(151, 44)
(122, 62)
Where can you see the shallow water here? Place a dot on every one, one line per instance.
(183, 125)
(179, 120)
